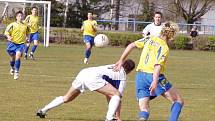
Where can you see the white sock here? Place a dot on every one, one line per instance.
(54, 103)
(112, 107)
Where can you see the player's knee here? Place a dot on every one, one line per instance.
(66, 99)
(35, 43)
(115, 93)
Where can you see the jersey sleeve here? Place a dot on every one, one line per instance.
(122, 87)
(141, 42)
(9, 29)
(162, 55)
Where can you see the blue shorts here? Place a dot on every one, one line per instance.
(89, 39)
(12, 48)
(143, 82)
(34, 36)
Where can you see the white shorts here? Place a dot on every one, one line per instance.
(85, 81)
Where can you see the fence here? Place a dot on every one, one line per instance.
(137, 26)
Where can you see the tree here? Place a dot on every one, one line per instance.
(77, 12)
(192, 10)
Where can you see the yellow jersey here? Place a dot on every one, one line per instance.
(155, 51)
(88, 27)
(18, 32)
(34, 23)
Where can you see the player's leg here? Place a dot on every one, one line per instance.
(69, 96)
(143, 81)
(177, 103)
(12, 53)
(17, 64)
(12, 63)
(112, 92)
(27, 46)
(117, 114)
(88, 42)
(35, 39)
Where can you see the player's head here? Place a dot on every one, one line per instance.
(128, 65)
(19, 16)
(169, 30)
(34, 10)
(90, 15)
(157, 18)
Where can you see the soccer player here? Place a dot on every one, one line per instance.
(16, 33)
(97, 79)
(33, 23)
(150, 79)
(154, 28)
(89, 28)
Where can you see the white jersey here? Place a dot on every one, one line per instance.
(93, 78)
(152, 30)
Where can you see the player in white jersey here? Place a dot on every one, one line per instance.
(154, 28)
(98, 79)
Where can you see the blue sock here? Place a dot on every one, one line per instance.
(17, 65)
(26, 49)
(175, 111)
(87, 53)
(144, 114)
(34, 48)
(12, 63)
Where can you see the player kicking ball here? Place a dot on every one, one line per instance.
(97, 79)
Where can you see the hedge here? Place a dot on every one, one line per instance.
(74, 36)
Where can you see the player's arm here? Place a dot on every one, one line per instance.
(27, 21)
(82, 27)
(154, 83)
(94, 26)
(8, 31)
(126, 52)
(145, 31)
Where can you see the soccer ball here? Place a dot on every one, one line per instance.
(101, 40)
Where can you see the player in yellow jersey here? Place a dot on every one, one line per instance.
(150, 79)
(16, 33)
(89, 29)
(33, 23)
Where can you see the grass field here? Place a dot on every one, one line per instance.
(55, 67)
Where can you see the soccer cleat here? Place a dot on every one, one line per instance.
(12, 71)
(86, 60)
(16, 75)
(40, 114)
(111, 120)
(25, 56)
(31, 56)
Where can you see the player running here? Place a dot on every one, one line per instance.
(89, 29)
(101, 79)
(150, 79)
(16, 33)
(33, 23)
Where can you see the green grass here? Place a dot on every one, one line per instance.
(51, 74)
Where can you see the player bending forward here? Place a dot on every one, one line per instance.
(96, 79)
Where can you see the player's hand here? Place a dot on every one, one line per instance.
(29, 24)
(118, 65)
(153, 87)
(9, 38)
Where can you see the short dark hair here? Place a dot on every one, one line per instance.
(128, 65)
(158, 12)
(34, 7)
(18, 12)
